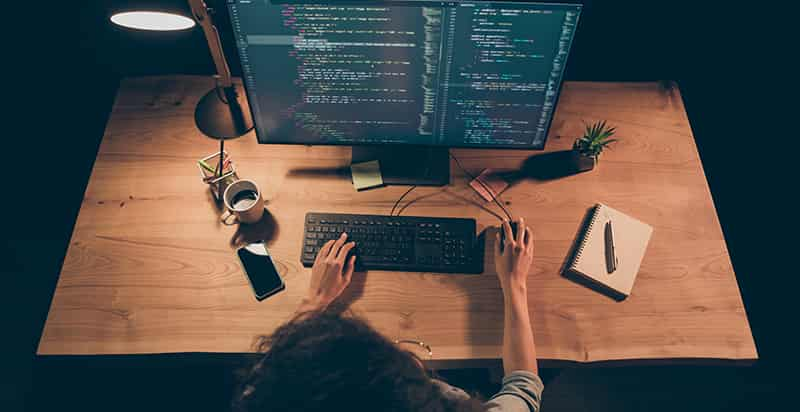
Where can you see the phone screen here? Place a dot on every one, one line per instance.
(260, 270)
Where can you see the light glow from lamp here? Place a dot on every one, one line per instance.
(152, 20)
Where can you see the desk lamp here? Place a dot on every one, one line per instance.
(223, 112)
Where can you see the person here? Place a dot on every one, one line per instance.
(322, 360)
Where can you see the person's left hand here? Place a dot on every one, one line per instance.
(330, 274)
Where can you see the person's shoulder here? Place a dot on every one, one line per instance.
(521, 392)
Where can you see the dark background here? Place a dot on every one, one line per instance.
(62, 63)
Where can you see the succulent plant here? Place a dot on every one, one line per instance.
(596, 138)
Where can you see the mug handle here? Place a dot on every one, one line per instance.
(225, 218)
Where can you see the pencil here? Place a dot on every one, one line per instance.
(206, 166)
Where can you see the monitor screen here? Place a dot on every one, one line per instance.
(455, 74)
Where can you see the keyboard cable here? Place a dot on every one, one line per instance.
(489, 191)
(410, 189)
(471, 176)
(400, 199)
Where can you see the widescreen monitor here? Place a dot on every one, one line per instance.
(446, 74)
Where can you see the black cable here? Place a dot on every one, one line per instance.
(490, 192)
(401, 198)
(424, 174)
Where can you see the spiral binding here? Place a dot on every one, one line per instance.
(586, 234)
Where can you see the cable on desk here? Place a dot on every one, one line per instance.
(424, 174)
(401, 198)
(491, 193)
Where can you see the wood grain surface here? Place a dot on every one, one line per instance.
(151, 270)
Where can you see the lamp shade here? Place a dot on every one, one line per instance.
(152, 20)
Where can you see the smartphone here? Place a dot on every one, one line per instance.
(262, 273)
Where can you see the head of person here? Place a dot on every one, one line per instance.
(329, 362)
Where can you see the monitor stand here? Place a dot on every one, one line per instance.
(408, 165)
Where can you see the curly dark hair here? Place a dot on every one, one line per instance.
(332, 362)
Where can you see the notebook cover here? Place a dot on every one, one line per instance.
(631, 237)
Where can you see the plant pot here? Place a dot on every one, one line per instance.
(581, 163)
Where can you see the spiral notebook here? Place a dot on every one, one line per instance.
(631, 237)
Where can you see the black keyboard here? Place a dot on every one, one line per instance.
(407, 243)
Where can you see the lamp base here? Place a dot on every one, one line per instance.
(219, 120)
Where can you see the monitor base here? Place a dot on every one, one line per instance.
(408, 165)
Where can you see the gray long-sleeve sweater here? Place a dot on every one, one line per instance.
(521, 392)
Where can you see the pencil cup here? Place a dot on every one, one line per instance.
(209, 173)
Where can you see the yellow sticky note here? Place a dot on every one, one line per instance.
(366, 174)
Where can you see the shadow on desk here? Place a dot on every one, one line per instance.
(353, 292)
(548, 166)
(541, 167)
(485, 309)
(265, 230)
(342, 172)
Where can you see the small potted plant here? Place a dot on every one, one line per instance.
(588, 147)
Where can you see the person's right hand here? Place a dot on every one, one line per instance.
(330, 274)
(514, 261)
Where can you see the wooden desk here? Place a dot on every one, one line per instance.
(150, 270)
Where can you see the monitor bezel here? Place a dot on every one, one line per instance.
(582, 3)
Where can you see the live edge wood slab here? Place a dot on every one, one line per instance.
(150, 269)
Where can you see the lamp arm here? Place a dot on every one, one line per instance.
(200, 13)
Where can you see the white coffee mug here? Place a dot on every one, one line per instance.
(243, 202)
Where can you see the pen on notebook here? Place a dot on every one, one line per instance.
(611, 255)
